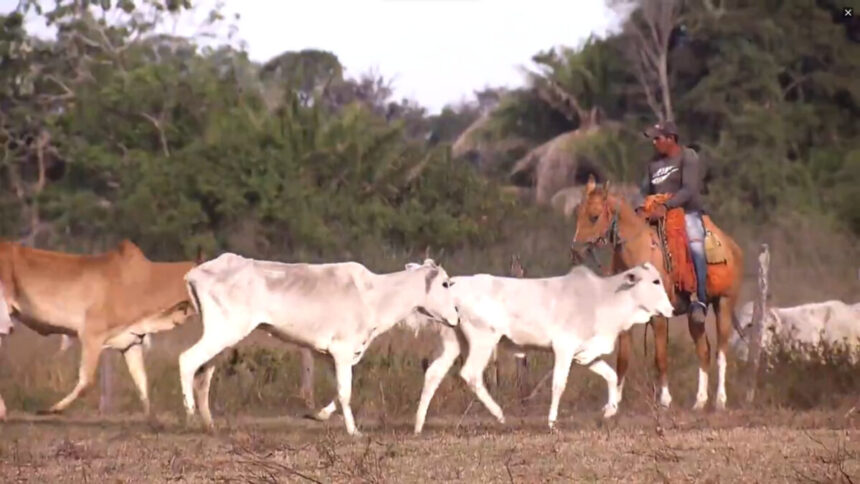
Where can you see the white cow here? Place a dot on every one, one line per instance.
(335, 309)
(832, 322)
(578, 316)
(5, 330)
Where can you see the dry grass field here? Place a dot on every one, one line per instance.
(804, 426)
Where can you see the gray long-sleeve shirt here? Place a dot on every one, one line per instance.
(680, 175)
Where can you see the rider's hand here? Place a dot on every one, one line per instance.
(658, 213)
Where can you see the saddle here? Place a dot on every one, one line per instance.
(673, 242)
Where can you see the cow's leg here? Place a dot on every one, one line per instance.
(208, 347)
(473, 373)
(343, 372)
(326, 412)
(91, 348)
(202, 382)
(134, 361)
(723, 313)
(603, 369)
(661, 358)
(703, 350)
(436, 372)
(560, 370)
(623, 360)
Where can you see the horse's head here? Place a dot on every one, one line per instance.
(594, 218)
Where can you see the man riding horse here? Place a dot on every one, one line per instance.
(676, 171)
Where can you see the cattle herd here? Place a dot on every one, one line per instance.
(118, 298)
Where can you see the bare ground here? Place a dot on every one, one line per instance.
(673, 446)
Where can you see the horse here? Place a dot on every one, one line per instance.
(604, 219)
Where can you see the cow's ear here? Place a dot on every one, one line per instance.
(411, 266)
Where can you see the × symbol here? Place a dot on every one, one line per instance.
(848, 12)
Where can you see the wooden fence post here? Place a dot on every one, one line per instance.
(758, 320)
(106, 380)
(307, 370)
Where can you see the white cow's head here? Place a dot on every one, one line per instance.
(739, 341)
(438, 302)
(646, 291)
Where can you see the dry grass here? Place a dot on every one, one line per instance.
(804, 427)
(732, 447)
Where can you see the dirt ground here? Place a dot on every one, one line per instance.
(673, 446)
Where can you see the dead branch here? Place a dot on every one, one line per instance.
(648, 50)
(161, 136)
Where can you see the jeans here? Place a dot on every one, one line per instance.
(696, 236)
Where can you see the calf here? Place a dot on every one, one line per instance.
(335, 309)
(831, 322)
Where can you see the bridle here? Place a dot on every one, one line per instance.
(611, 237)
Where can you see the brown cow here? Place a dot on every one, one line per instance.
(109, 300)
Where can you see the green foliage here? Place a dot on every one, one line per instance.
(767, 91)
(173, 147)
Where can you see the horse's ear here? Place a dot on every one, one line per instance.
(605, 188)
(589, 187)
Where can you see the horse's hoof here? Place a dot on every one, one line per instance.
(700, 405)
(47, 411)
(609, 410)
(720, 405)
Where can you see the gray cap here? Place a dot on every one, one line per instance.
(665, 128)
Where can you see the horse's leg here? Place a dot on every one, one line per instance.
(723, 313)
(623, 360)
(703, 350)
(661, 357)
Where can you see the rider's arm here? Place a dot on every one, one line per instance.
(689, 180)
(644, 191)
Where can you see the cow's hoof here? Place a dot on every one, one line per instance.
(700, 405)
(321, 416)
(356, 434)
(720, 404)
(609, 410)
(552, 427)
(501, 420)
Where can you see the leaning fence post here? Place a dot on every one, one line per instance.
(307, 377)
(106, 383)
(758, 319)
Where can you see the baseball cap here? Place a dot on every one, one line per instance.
(665, 128)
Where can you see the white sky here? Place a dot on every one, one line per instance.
(435, 51)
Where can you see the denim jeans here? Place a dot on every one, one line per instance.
(696, 236)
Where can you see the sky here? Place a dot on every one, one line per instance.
(434, 51)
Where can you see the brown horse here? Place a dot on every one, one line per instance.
(603, 219)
